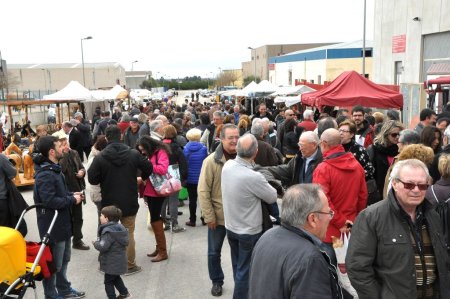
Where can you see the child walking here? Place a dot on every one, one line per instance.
(112, 242)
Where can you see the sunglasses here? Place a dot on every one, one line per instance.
(394, 135)
(411, 186)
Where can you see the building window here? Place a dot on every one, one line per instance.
(398, 70)
(368, 53)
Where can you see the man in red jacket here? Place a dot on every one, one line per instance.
(343, 181)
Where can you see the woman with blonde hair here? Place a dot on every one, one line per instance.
(412, 151)
(384, 149)
(244, 124)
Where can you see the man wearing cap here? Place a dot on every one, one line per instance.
(131, 134)
(83, 126)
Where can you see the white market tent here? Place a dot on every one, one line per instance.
(292, 90)
(244, 92)
(290, 95)
(288, 101)
(118, 92)
(91, 99)
(72, 91)
(265, 87)
(140, 94)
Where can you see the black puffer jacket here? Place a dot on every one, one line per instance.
(116, 169)
(112, 243)
(380, 258)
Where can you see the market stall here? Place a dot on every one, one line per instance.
(350, 89)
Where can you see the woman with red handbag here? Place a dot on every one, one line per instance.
(158, 154)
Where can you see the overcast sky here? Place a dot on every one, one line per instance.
(176, 38)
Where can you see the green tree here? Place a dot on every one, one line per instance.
(249, 79)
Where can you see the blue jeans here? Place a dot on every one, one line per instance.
(58, 281)
(215, 242)
(241, 254)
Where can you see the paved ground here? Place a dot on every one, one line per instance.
(183, 275)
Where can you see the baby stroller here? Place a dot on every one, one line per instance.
(16, 274)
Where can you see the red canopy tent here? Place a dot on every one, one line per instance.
(350, 89)
(439, 80)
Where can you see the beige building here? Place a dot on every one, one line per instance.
(260, 58)
(321, 64)
(135, 78)
(231, 78)
(42, 79)
(412, 45)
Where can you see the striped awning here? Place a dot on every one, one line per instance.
(439, 69)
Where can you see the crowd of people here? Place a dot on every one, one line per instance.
(336, 172)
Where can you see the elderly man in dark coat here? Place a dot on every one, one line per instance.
(287, 261)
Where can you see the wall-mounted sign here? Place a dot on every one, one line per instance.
(399, 43)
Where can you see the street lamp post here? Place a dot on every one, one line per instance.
(254, 76)
(82, 58)
(364, 43)
(132, 64)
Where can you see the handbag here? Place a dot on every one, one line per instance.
(168, 183)
(164, 185)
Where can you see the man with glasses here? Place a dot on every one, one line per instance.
(396, 249)
(287, 261)
(299, 170)
(343, 181)
(210, 199)
(364, 132)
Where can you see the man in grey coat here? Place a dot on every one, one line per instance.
(287, 261)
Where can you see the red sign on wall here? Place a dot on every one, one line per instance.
(271, 66)
(399, 43)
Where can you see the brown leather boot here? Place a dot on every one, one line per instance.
(160, 237)
(154, 253)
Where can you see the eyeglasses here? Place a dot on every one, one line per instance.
(343, 131)
(394, 135)
(411, 186)
(331, 213)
